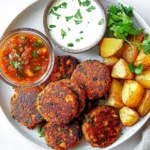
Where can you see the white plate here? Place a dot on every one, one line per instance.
(33, 17)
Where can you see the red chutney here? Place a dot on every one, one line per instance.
(24, 58)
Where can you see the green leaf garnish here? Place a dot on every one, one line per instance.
(81, 32)
(101, 22)
(16, 64)
(77, 21)
(62, 5)
(81, 38)
(70, 45)
(69, 29)
(38, 44)
(40, 132)
(63, 33)
(91, 8)
(17, 55)
(121, 133)
(23, 37)
(52, 26)
(136, 70)
(68, 18)
(78, 14)
(35, 54)
(77, 40)
(38, 68)
(56, 14)
(85, 3)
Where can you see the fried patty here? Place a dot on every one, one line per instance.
(62, 137)
(94, 77)
(79, 92)
(57, 104)
(23, 107)
(101, 127)
(63, 68)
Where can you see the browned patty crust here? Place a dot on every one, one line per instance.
(62, 137)
(79, 92)
(57, 104)
(63, 68)
(101, 127)
(94, 77)
(23, 107)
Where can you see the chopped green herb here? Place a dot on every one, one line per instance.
(23, 62)
(57, 15)
(70, 45)
(63, 33)
(16, 64)
(81, 32)
(77, 40)
(38, 68)
(78, 14)
(38, 44)
(52, 26)
(101, 22)
(91, 8)
(121, 133)
(81, 38)
(17, 55)
(77, 21)
(68, 18)
(35, 54)
(136, 70)
(22, 37)
(62, 5)
(40, 132)
(59, 76)
(69, 29)
(85, 3)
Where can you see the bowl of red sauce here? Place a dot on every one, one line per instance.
(26, 58)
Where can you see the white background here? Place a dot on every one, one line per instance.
(9, 139)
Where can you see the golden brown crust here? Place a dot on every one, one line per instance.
(101, 127)
(62, 137)
(94, 77)
(23, 107)
(57, 104)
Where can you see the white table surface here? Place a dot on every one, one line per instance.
(9, 139)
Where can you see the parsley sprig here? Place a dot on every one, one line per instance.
(40, 132)
(137, 70)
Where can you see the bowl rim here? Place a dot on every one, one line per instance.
(68, 50)
(50, 66)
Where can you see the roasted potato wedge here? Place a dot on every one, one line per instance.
(115, 95)
(144, 105)
(110, 61)
(143, 59)
(109, 46)
(132, 93)
(121, 70)
(128, 116)
(144, 79)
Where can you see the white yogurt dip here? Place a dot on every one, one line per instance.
(76, 24)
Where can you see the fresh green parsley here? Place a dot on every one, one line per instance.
(78, 22)
(81, 32)
(136, 70)
(70, 45)
(69, 29)
(62, 5)
(38, 44)
(121, 133)
(91, 8)
(78, 14)
(85, 3)
(77, 40)
(81, 38)
(68, 18)
(52, 26)
(63, 33)
(16, 64)
(40, 132)
(35, 54)
(120, 22)
(101, 22)
(22, 37)
(17, 55)
(38, 68)
(56, 14)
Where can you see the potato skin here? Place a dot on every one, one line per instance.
(144, 79)
(101, 127)
(121, 70)
(128, 116)
(110, 61)
(132, 93)
(115, 94)
(144, 105)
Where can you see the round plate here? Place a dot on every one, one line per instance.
(32, 17)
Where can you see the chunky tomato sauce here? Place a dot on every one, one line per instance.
(24, 58)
